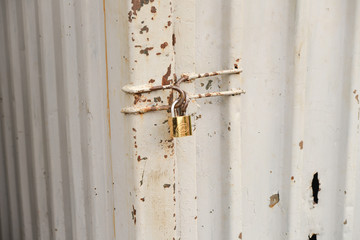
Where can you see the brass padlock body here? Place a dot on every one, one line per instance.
(180, 126)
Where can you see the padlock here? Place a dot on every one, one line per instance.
(180, 126)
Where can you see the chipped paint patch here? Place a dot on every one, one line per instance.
(208, 85)
(274, 199)
(144, 29)
(146, 50)
(138, 4)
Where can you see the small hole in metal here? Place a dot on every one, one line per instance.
(315, 185)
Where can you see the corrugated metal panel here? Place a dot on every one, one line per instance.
(55, 126)
(74, 167)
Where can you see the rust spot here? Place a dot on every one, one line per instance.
(151, 80)
(345, 222)
(240, 235)
(173, 39)
(354, 92)
(165, 80)
(165, 156)
(166, 185)
(146, 50)
(137, 97)
(195, 217)
(292, 178)
(138, 4)
(130, 16)
(237, 60)
(139, 158)
(158, 53)
(132, 39)
(229, 129)
(137, 46)
(207, 94)
(133, 214)
(169, 23)
(274, 199)
(142, 199)
(357, 98)
(134, 129)
(153, 9)
(301, 144)
(164, 45)
(144, 29)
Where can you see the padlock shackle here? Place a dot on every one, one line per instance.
(182, 95)
(173, 107)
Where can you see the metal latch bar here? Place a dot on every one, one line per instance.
(152, 108)
(131, 89)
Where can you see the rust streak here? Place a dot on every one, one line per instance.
(173, 39)
(165, 80)
(108, 110)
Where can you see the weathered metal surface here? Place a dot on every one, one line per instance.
(279, 162)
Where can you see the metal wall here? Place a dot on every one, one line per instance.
(73, 166)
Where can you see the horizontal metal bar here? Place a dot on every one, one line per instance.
(215, 94)
(131, 89)
(192, 76)
(140, 110)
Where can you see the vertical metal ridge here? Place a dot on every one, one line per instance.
(99, 190)
(8, 161)
(296, 100)
(17, 81)
(40, 171)
(5, 220)
(351, 208)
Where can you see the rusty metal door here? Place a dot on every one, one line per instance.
(86, 154)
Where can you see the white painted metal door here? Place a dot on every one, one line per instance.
(278, 162)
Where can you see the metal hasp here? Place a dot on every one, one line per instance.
(130, 89)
